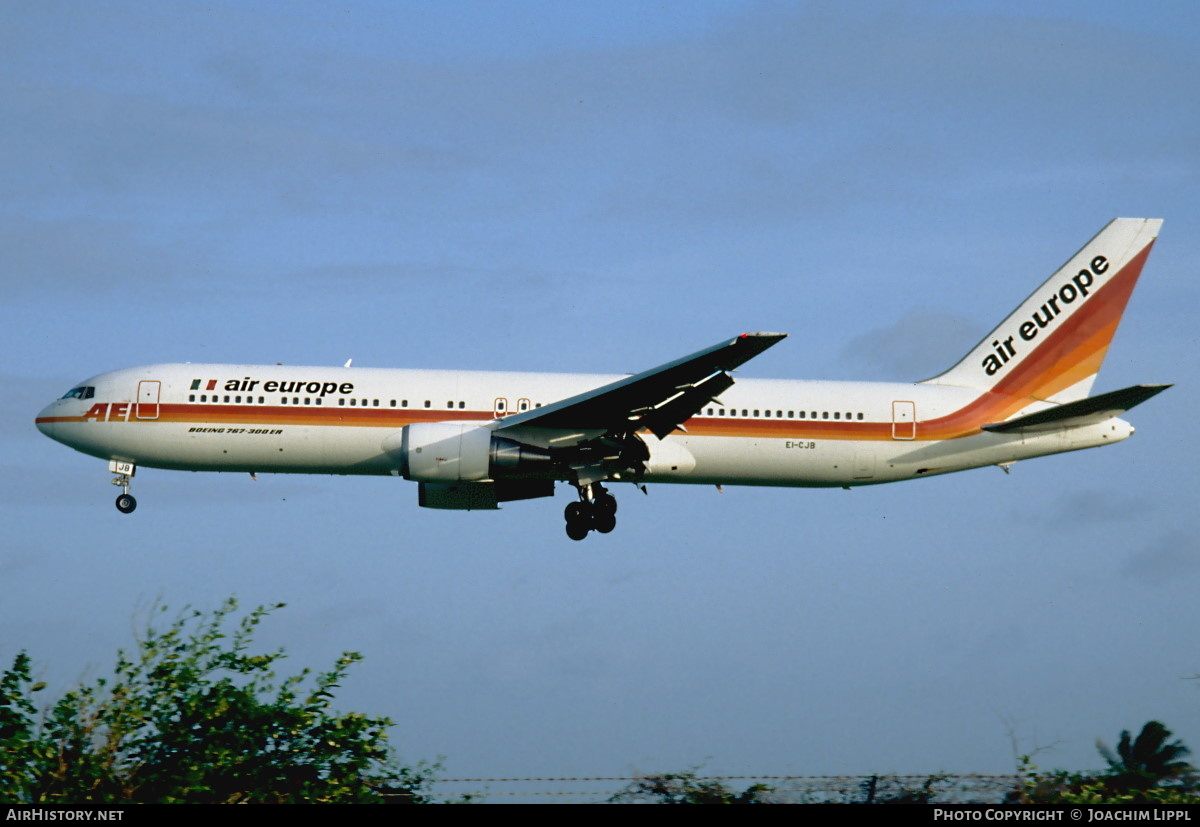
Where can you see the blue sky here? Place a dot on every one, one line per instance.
(605, 187)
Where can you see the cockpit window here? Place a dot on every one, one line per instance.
(80, 393)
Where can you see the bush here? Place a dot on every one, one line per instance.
(192, 716)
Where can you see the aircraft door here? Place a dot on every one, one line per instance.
(147, 398)
(904, 420)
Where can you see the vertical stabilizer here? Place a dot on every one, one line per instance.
(1051, 347)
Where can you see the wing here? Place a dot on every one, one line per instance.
(595, 434)
(657, 400)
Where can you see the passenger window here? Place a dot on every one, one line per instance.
(426, 403)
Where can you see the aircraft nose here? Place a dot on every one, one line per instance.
(43, 421)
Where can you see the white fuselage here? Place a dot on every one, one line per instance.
(255, 418)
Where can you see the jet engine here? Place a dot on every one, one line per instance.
(440, 452)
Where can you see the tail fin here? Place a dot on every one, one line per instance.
(1051, 347)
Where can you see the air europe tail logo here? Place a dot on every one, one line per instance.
(274, 386)
(1076, 289)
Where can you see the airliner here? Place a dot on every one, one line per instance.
(474, 440)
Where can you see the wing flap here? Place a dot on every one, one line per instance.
(668, 416)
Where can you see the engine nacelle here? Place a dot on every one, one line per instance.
(461, 452)
(445, 452)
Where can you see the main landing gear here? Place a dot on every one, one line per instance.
(124, 471)
(595, 511)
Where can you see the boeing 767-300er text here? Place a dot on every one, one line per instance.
(472, 440)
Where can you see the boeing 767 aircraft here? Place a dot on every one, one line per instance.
(472, 440)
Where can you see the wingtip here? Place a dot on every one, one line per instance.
(759, 334)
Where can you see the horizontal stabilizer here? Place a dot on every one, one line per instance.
(1082, 412)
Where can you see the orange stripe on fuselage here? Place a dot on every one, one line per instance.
(273, 416)
(266, 415)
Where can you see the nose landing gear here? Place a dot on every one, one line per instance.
(124, 471)
(595, 511)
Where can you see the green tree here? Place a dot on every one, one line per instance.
(191, 715)
(1145, 770)
(1147, 761)
(688, 788)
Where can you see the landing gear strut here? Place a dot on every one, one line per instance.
(124, 473)
(595, 511)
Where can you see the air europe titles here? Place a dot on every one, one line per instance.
(275, 386)
(1077, 288)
